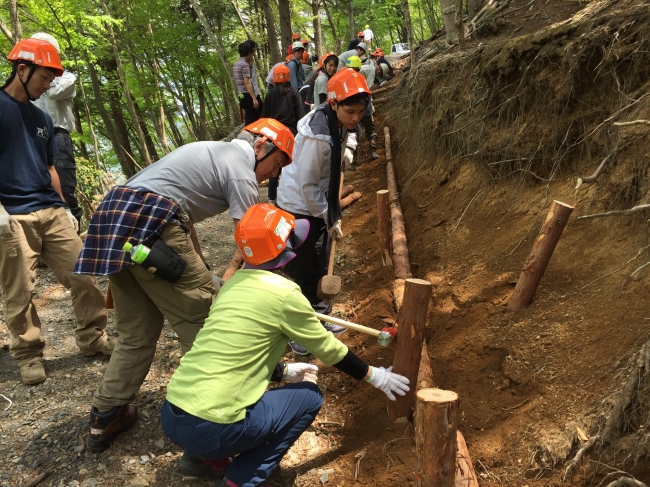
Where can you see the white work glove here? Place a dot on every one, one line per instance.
(71, 218)
(300, 372)
(335, 230)
(388, 381)
(5, 223)
(217, 282)
(347, 158)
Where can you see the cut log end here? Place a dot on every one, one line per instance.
(564, 204)
(437, 395)
(421, 282)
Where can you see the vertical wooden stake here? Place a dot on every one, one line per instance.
(435, 438)
(389, 155)
(539, 257)
(411, 322)
(383, 218)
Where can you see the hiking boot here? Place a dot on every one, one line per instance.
(195, 467)
(297, 348)
(104, 345)
(335, 329)
(104, 427)
(32, 371)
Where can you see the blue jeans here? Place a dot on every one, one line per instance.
(260, 440)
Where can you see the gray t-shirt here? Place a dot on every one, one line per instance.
(204, 179)
(320, 86)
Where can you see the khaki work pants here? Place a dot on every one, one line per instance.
(46, 233)
(142, 301)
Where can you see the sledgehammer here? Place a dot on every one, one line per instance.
(385, 337)
(329, 285)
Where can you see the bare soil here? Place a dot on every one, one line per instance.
(527, 380)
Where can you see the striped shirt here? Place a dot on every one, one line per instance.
(243, 70)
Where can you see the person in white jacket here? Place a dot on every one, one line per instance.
(309, 188)
(58, 103)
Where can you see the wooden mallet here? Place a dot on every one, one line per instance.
(329, 286)
(385, 337)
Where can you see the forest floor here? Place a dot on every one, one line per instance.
(527, 381)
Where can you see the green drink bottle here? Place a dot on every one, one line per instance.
(138, 253)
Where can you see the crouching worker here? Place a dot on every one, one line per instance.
(217, 406)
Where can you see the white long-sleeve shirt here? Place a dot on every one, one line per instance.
(58, 101)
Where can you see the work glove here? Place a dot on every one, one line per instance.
(388, 381)
(5, 223)
(71, 218)
(347, 158)
(217, 282)
(335, 230)
(300, 372)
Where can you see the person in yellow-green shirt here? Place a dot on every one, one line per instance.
(217, 407)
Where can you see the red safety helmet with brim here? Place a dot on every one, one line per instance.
(323, 59)
(37, 52)
(346, 83)
(281, 74)
(277, 133)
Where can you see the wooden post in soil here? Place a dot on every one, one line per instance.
(383, 219)
(411, 322)
(435, 438)
(539, 257)
(389, 154)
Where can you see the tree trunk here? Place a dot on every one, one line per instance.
(340, 47)
(318, 39)
(459, 25)
(285, 25)
(151, 146)
(409, 30)
(411, 322)
(435, 438)
(539, 257)
(178, 138)
(448, 9)
(15, 20)
(125, 87)
(202, 126)
(473, 7)
(161, 129)
(353, 31)
(274, 49)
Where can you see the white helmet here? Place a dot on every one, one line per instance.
(44, 36)
(362, 45)
(298, 45)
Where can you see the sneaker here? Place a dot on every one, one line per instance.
(229, 483)
(335, 329)
(32, 371)
(297, 348)
(195, 467)
(104, 427)
(352, 167)
(104, 346)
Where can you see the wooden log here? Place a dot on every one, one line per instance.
(539, 257)
(465, 474)
(346, 191)
(400, 249)
(411, 322)
(350, 199)
(234, 265)
(380, 91)
(383, 225)
(435, 438)
(398, 293)
(425, 374)
(389, 154)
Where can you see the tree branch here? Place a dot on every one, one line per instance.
(633, 122)
(5, 30)
(627, 212)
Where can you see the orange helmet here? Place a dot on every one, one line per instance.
(38, 52)
(295, 36)
(346, 83)
(305, 41)
(281, 74)
(360, 33)
(323, 58)
(276, 132)
(267, 236)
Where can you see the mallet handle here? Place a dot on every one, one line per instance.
(348, 324)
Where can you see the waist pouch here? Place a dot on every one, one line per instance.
(163, 262)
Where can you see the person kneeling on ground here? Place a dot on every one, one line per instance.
(309, 189)
(217, 407)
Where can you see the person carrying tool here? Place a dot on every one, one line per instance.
(309, 189)
(217, 406)
(35, 220)
(359, 51)
(367, 121)
(355, 42)
(58, 102)
(158, 208)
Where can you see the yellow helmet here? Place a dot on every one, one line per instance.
(354, 62)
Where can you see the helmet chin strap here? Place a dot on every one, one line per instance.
(32, 69)
(257, 161)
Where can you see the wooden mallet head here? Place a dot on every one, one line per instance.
(328, 287)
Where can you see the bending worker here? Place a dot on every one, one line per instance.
(160, 205)
(217, 406)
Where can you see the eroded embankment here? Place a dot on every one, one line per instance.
(484, 141)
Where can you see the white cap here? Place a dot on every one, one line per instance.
(297, 45)
(362, 45)
(44, 36)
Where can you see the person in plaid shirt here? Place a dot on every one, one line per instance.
(164, 201)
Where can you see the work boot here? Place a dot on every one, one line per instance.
(373, 148)
(104, 345)
(32, 371)
(195, 467)
(104, 427)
